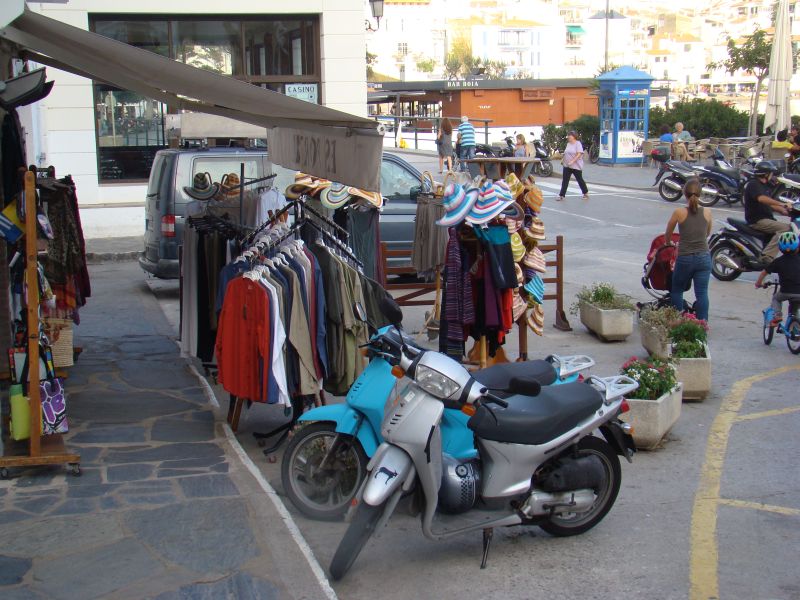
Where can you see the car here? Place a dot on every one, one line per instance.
(173, 169)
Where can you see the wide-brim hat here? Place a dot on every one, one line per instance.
(537, 229)
(229, 186)
(535, 260)
(515, 185)
(458, 202)
(518, 306)
(535, 327)
(334, 196)
(538, 315)
(373, 198)
(535, 287)
(514, 217)
(519, 274)
(517, 247)
(202, 188)
(306, 184)
(493, 199)
(533, 195)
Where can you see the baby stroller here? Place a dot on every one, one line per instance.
(657, 277)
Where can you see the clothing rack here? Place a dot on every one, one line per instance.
(50, 449)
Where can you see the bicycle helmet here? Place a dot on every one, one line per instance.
(788, 242)
(765, 168)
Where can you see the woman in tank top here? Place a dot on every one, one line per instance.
(694, 260)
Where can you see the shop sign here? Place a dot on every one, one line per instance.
(462, 83)
(629, 144)
(302, 91)
(532, 94)
(643, 92)
(342, 156)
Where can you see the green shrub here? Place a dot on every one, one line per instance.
(601, 295)
(701, 118)
(587, 127)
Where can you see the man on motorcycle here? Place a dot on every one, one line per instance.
(758, 207)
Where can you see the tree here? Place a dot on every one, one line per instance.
(702, 118)
(371, 60)
(426, 65)
(751, 55)
(461, 63)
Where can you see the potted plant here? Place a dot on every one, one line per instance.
(605, 312)
(689, 346)
(658, 404)
(654, 328)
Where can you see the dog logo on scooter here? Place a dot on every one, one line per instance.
(389, 474)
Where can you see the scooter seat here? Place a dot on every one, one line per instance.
(742, 226)
(537, 420)
(731, 172)
(791, 177)
(498, 377)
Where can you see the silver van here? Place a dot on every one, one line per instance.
(165, 205)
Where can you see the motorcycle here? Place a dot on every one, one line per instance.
(326, 460)
(724, 181)
(545, 166)
(672, 176)
(537, 461)
(737, 247)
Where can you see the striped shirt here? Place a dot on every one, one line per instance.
(467, 132)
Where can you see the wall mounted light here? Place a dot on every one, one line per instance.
(376, 6)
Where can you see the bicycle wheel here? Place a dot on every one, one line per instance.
(769, 332)
(594, 153)
(793, 335)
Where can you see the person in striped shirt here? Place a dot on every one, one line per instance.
(466, 133)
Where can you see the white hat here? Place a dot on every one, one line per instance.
(464, 118)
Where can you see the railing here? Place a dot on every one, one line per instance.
(428, 126)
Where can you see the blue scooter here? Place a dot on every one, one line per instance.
(326, 460)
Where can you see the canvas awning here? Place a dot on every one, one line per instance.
(308, 137)
(576, 29)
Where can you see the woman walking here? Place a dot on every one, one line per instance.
(573, 165)
(444, 144)
(694, 259)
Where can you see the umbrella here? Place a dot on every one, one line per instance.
(780, 71)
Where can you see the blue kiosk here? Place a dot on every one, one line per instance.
(624, 115)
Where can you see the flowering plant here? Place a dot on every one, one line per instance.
(689, 336)
(655, 377)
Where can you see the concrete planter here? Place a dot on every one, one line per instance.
(695, 375)
(612, 325)
(652, 419)
(654, 343)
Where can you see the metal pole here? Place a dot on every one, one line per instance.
(605, 69)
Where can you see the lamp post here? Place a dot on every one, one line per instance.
(376, 6)
(605, 68)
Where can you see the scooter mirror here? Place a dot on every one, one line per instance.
(360, 313)
(391, 310)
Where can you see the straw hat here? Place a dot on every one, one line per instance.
(538, 315)
(517, 247)
(306, 184)
(533, 195)
(535, 287)
(519, 274)
(514, 217)
(202, 188)
(334, 196)
(515, 185)
(535, 327)
(373, 198)
(518, 306)
(229, 185)
(535, 260)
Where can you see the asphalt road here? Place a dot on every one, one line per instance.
(693, 519)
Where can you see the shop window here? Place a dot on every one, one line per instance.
(280, 48)
(210, 45)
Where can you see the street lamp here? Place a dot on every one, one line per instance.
(376, 6)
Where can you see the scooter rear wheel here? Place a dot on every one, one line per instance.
(323, 494)
(710, 199)
(545, 168)
(720, 271)
(355, 538)
(577, 523)
(667, 193)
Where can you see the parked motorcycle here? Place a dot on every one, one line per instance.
(722, 180)
(545, 166)
(672, 176)
(326, 460)
(537, 461)
(737, 247)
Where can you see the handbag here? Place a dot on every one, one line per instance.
(54, 406)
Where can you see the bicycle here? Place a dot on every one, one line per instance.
(594, 150)
(789, 328)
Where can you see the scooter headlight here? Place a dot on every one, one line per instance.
(433, 382)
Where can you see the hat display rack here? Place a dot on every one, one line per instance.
(516, 204)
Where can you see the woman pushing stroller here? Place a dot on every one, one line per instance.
(694, 259)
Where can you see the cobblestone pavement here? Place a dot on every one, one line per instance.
(163, 508)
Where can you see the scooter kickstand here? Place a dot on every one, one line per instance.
(487, 539)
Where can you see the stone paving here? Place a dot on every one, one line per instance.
(163, 508)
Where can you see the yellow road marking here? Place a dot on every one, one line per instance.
(704, 559)
(768, 413)
(781, 510)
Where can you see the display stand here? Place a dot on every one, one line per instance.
(47, 450)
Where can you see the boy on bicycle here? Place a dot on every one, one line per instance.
(787, 266)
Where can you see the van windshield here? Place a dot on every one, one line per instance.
(217, 166)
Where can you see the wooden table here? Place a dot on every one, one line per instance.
(499, 167)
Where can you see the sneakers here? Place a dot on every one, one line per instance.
(586, 196)
(560, 198)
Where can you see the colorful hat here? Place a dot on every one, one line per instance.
(493, 200)
(457, 203)
(537, 229)
(514, 217)
(306, 184)
(533, 195)
(535, 260)
(515, 185)
(373, 198)
(520, 276)
(202, 188)
(535, 327)
(538, 315)
(535, 287)
(334, 196)
(517, 247)
(518, 306)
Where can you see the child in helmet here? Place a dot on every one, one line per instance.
(787, 266)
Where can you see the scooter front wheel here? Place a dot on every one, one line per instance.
(322, 491)
(545, 168)
(605, 495)
(667, 193)
(355, 538)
